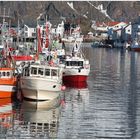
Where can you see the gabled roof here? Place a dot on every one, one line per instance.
(105, 24)
(112, 23)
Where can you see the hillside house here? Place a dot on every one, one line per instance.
(29, 32)
(126, 34)
(136, 31)
(59, 30)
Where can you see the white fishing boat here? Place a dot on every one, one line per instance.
(42, 79)
(41, 82)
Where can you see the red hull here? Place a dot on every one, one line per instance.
(77, 85)
(135, 49)
(6, 94)
(75, 78)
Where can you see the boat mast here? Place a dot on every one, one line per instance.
(38, 42)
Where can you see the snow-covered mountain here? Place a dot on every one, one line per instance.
(85, 11)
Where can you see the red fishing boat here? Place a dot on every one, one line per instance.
(77, 67)
(7, 82)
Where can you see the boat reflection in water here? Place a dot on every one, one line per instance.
(76, 103)
(77, 89)
(40, 119)
(6, 115)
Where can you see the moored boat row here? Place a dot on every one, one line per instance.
(40, 75)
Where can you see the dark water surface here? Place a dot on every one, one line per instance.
(107, 106)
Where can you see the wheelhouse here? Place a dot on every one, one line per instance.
(6, 73)
(37, 71)
(74, 63)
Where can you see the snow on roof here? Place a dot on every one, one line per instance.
(111, 23)
(90, 33)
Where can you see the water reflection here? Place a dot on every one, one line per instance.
(6, 116)
(112, 108)
(36, 120)
(40, 119)
(112, 98)
(76, 101)
(107, 106)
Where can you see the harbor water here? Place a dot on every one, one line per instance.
(106, 106)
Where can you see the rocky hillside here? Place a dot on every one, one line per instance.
(83, 12)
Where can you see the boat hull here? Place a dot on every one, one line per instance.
(75, 75)
(39, 94)
(75, 78)
(7, 87)
(40, 88)
(77, 85)
(7, 91)
(136, 49)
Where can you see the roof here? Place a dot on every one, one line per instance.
(90, 33)
(111, 23)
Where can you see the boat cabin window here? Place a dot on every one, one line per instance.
(47, 72)
(34, 71)
(40, 71)
(8, 74)
(68, 63)
(5, 74)
(54, 72)
(80, 63)
(74, 63)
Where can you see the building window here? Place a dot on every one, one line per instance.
(33, 34)
(26, 29)
(26, 34)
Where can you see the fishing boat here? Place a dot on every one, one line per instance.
(135, 46)
(8, 82)
(41, 80)
(77, 67)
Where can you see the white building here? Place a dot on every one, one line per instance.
(59, 30)
(136, 31)
(127, 33)
(29, 32)
(104, 26)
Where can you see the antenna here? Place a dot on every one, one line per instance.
(4, 16)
